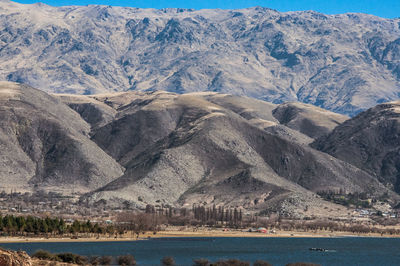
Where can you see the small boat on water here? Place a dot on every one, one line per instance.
(318, 249)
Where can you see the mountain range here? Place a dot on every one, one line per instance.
(345, 63)
(250, 108)
(197, 148)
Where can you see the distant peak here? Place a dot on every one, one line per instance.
(262, 9)
(40, 4)
(176, 10)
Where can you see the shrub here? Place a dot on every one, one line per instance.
(168, 261)
(201, 262)
(62, 257)
(231, 262)
(44, 255)
(72, 258)
(126, 260)
(105, 260)
(261, 263)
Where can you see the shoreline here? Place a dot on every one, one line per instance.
(191, 234)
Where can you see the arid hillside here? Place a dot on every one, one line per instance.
(174, 149)
(370, 141)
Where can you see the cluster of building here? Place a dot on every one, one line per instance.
(54, 205)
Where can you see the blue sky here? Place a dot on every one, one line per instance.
(382, 8)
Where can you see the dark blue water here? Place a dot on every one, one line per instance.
(278, 251)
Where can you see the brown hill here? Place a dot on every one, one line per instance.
(45, 143)
(308, 119)
(371, 142)
(214, 149)
(165, 148)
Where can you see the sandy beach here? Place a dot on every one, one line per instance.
(191, 233)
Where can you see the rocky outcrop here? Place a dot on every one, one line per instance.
(14, 258)
(21, 258)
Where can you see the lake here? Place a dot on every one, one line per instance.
(278, 251)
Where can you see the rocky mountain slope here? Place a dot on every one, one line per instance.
(214, 149)
(309, 120)
(344, 63)
(370, 141)
(166, 148)
(45, 143)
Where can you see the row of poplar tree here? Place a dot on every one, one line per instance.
(20, 225)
